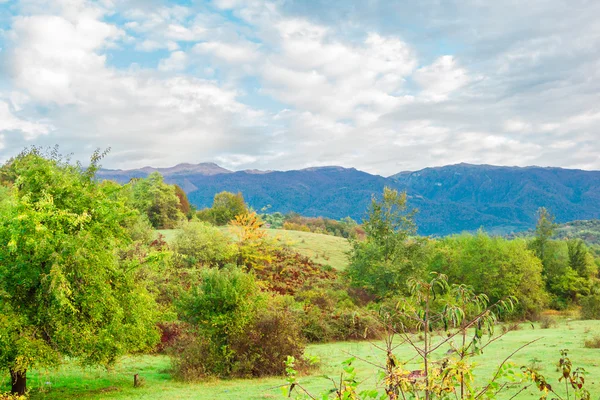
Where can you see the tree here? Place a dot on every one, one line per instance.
(158, 200)
(64, 291)
(226, 206)
(199, 243)
(184, 204)
(390, 253)
(544, 230)
(580, 259)
(494, 266)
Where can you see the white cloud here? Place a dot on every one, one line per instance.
(177, 61)
(441, 78)
(337, 85)
(243, 52)
(10, 122)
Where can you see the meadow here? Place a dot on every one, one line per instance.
(72, 382)
(322, 249)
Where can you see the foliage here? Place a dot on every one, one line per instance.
(289, 272)
(184, 204)
(12, 396)
(592, 343)
(346, 227)
(494, 266)
(198, 243)
(389, 255)
(544, 230)
(64, 290)
(239, 330)
(466, 319)
(225, 208)
(590, 306)
(158, 200)
(254, 248)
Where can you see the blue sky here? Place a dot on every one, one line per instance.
(383, 86)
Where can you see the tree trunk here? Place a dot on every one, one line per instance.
(19, 382)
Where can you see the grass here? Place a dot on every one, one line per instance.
(71, 382)
(323, 249)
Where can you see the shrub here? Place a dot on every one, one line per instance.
(547, 321)
(262, 349)
(236, 331)
(201, 244)
(590, 306)
(12, 396)
(170, 334)
(592, 343)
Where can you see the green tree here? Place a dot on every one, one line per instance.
(158, 200)
(544, 231)
(390, 254)
(199, 243)
(64, 290)
(580, 259)
(494, 266)
(226, 206)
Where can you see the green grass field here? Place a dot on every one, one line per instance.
(71, 382)
(323, 249)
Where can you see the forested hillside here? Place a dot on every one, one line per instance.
(450, 199)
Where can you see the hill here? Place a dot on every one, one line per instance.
(450, 199)
(322, 249)
(588, 231)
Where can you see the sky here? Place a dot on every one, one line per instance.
(382, 86)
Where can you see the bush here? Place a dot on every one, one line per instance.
(593, 343)
(170, 334)
(201, 244)
(10, 396)
(236, 331)
(590, 306)
(268, 341)
(547, 321)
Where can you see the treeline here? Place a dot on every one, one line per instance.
(84, 275)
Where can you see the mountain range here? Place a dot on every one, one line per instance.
(450, 199)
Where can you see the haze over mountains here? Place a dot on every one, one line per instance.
(450, 199)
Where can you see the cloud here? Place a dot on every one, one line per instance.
(381, 86)
(9, 122)
(441, 78)
(177, 61)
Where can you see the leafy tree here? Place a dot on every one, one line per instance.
(580, 259)
(158, 200)
(226, 206)
(544, 231)
(199, 243)
(64, 291)
(255, 249)
(221, 307)
(184, 204)
(390, 253)
(493, 266)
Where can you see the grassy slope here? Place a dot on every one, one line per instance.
(73, 383)
(323, 249)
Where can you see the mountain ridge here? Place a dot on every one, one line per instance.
(451, 199)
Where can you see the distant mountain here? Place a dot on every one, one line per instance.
(450, 199)
(180, 169)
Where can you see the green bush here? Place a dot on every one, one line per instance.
(236, 330)
(199, 243)
(266, 343)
